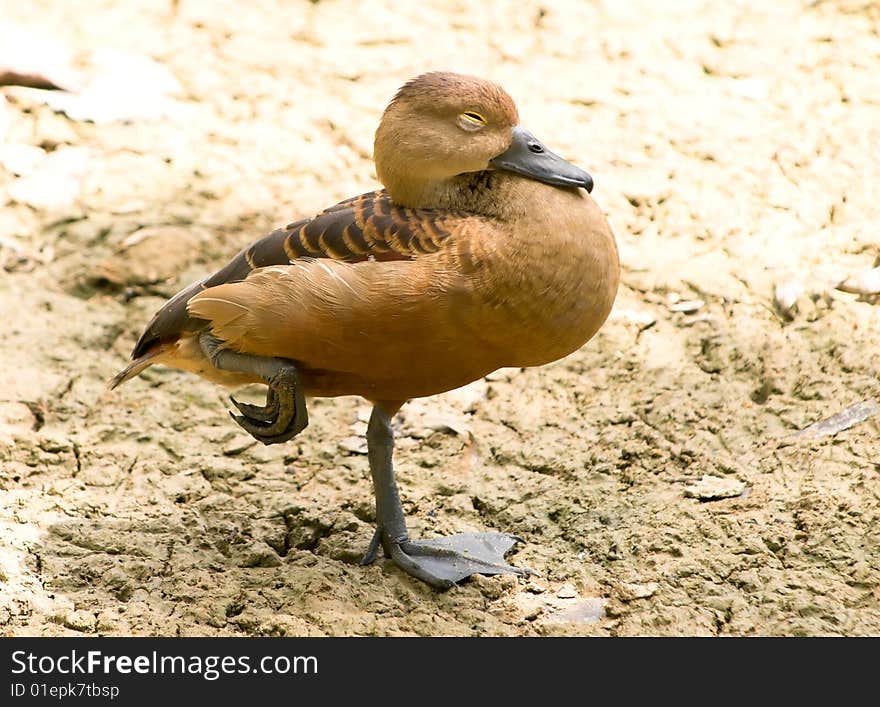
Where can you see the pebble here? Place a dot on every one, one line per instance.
(641, 317)
(21, 159)
(15, 416)
(566, 591)
(687, 306)
(52, 183)
(865, 283)
(150, 255)
(354, 445)
(785, 296)
(238, 445)
(586, 611)
(713, 488)
(258, 554)
(628, 591)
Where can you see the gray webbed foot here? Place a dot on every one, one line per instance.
(261, 413)
(444, 562)
(282, 417)
(441, 562)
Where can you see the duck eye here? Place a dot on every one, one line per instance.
(470, 120)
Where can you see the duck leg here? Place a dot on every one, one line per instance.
(284, 415)
(441, 562)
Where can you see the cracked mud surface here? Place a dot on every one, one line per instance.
(734, 147)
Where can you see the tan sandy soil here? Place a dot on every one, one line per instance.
(735, 147)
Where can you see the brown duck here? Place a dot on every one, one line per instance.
(483, 250)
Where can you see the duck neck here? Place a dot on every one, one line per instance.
(473, 192)
(418, 193)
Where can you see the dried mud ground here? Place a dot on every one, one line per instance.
(734, 147)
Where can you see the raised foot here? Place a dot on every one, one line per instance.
(444, 562)
(282, 417)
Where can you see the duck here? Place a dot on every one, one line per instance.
(482, 250)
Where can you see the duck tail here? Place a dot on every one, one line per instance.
(141, 363)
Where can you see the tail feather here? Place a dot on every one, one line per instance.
(140, 364)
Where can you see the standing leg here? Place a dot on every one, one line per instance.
(441, 562)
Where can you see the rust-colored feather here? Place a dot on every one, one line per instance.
(368, 227)
(417, 325)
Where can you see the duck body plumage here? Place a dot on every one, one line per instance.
(392, 303)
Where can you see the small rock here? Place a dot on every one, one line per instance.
(53, 442)
(238, 445)
(258, 554)
(54, 182)
(49, 192)
(503, 374)
(535, 587)
(687, 306)
(362, 414)
(15, 416)
(150, 255)
(467, 397)
(494, 587)
(628, 591)
(118, 85)
(443, 413)
(785, 297)
(78, 620)
(354, 445)
(451, 422)
(586, 611)
(713, 488)
(640, 317)
(566, 591)
(534, 613)
(865, 283)
(21, 159)
(34, 58)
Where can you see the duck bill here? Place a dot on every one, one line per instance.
(528, 156)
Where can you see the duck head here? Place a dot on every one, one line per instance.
(442, 125)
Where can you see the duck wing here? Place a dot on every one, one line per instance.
(364, 229)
